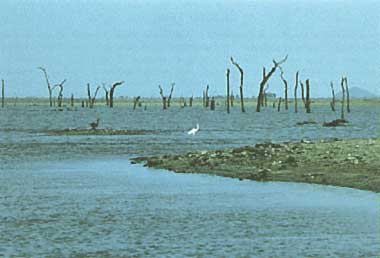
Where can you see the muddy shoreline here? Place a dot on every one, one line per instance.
(345, 163)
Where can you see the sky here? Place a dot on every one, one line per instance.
(147, 43)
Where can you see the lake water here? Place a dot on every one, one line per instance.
(80, 196)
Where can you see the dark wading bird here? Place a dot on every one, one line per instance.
(94, 125)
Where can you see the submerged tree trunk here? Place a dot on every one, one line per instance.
(191, 101)
(303, 94)
(207, 98)
(265, 80)
(308, 96)
(112, 90)
(343, 96)
(228, 91)
(72, 100)
(279, 105)
(295, 94)
(2, 94)
(106, 95)
(332, 103)
(60, 94)
(48, 85)
(285, 88)
(212, 104)
(241, 83)
(170, 95)
(348, 95)
(91, 100)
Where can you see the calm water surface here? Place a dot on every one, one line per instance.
(79, 195)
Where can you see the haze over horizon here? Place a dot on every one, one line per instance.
(187, 42)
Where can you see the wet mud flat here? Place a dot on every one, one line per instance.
(346, 163)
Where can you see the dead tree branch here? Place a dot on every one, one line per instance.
(241, 83)
(112, 90)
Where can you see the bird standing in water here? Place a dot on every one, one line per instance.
(94, 125)
(194, 130)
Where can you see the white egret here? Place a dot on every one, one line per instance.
(194, 130)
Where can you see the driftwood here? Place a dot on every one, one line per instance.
(228, 91)
(265, 80)
(306, 123)
(241, 83)
(112, 90)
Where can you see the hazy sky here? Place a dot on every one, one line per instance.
(147, 43)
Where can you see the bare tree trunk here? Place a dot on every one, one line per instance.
(48, 85)
(135, 102)
(232, 98)
(207, 98)
(212, 104)
(2, 94)
(170, 95)
(303, 94)
(112, 90)
(82, 103)
(343, 96)
(348, 95)
(241, 83)
(191, 101)
(106, 94)
(72, 100)
(60, 94)
(228, 91)
(295, 94)
(264, 97)
(279, 105)
(285, 88)
(89, 93)
(266, 78)
(93, 99)
(164, 102)
(308, 96)
(163, 97)
(332, 104)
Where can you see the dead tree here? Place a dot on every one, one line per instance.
(348, 95)
(48, 85)
(91, 99)
(228, 91)
(285, 88)
(295, 94)
(308, 102)
(303, 94)
(266, 78)
(170, 95)
(2, 94)
(207, 98)
(135, 102)
(279, 105)
(163, 97)
(232, 98)
(264, 98)
(212, 104)
(343, 96)
(60, 93)
(72, 100)
(112, 90)
(191, 101)
(106, 94)
(332, 103)
(241, 83)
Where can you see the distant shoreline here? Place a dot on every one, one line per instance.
(345, 163)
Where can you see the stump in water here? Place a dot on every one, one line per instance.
(212, 104)
(136, 101)
(165, 99)
(170, 95)
(295, 94)
(82, 103)
(332, 103)
(191, 101)
(106, 94)
(343, 97)
(303, 94)
(232, 99)
(348, 95)
(228, 91)
(207, 98)
(241, 83)
(2, 94)
(72, 100)
(91, 100)
(279, 105)
(308, 96)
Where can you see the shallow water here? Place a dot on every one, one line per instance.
(79, 195)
